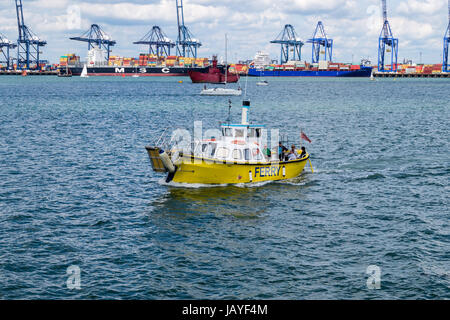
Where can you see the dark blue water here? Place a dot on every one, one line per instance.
(76, 188)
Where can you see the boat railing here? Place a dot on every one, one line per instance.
(165, 141)
(288, 141)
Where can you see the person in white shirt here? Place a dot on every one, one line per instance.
(292, 154)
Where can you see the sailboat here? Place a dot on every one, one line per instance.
(372, 78)
(222, 91)
(84, 73)
(262, 82)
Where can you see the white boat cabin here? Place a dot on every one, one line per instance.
(238, 143)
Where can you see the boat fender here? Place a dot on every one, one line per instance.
(168, 164)
(250, 176)
(284, 172)
(171, 175)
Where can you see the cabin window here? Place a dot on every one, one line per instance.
(237, 154)
(213, 149)
(256, 154)
(239, 133)
(252, 132)
(222, 153)
(226, 132)
(247, 154)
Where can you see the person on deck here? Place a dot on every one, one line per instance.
(303, 154)
(267, 153)
(292, 154)
(281, 150)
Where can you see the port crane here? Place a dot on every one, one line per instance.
(96, 36)
(387, 44)
(5, 46)
(321, 44)
(187, 45)
(445, 62)
(158, 43)
(28, 44)
(290, 42)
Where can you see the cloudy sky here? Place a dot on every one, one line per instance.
(250, 25)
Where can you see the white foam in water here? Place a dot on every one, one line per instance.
(189, 185)
(239, 185)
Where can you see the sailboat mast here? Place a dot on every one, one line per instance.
(226, 59)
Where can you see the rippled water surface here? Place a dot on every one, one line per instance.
(76, 188)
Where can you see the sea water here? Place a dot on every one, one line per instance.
(77, 193)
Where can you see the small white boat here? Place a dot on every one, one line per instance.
(221, 92)
(135, 76)
(262, 83)
(84, 73)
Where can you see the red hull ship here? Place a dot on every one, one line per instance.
(213, 74)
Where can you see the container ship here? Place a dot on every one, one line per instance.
(311, 70)
(146, 65)
(261, 67)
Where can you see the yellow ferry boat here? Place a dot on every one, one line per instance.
(235, 157)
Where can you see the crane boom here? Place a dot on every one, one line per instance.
(384, 10)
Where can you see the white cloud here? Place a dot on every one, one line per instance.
(423, 7)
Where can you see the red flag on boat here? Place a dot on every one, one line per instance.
(305, 137)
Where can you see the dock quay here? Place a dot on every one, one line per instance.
(29, 73)
(411, 75)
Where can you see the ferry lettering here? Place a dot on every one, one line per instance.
(267, 171)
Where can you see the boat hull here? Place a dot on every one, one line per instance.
(361, 73)
(212, 77)
(130, 71)
(221, 92)
(204, 171)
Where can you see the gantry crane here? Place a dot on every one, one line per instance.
(321, 44)
(387, 44)
(28, 44)
(187, 45)
(445, 62)
(290, 42)
(96, 36)
(5, 46)
(158, 43)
